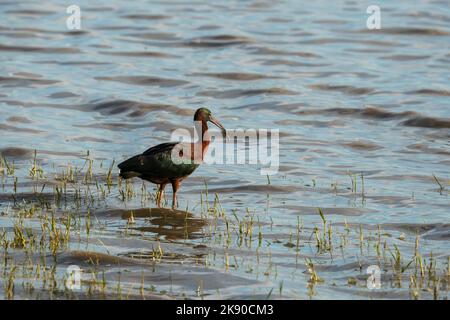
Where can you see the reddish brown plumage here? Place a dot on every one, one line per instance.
(156, 164)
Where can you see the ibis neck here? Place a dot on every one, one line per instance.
(204, 139)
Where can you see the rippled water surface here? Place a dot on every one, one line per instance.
(364, 120)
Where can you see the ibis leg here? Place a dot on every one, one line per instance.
(159, 194)
(175, 187)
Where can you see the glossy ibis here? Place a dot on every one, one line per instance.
(157, 164)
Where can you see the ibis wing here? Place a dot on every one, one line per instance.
(156, 162)
(160, 148)
(149, 161)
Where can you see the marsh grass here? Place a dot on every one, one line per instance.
(439, 183)
(58, 216)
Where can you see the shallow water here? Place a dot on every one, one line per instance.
(347, 101)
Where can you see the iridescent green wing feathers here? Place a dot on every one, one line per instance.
(156, 162)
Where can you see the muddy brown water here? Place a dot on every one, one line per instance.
(353, 106)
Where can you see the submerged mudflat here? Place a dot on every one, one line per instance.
(363, 175)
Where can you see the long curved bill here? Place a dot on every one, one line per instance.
(218, 124)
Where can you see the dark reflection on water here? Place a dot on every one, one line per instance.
(167, 223)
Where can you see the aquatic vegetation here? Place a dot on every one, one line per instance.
(45, 230)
